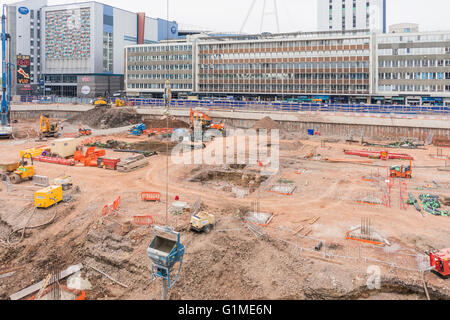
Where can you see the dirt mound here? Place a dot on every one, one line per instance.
(104, 117)
(266, 123)
(291, 145)
(162, 123)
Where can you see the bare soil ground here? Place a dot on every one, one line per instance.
(230, 262)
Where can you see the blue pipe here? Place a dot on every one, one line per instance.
(11, 67)
(4, 104)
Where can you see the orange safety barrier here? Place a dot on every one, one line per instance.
(150, 196)
(144, 220)
(363, 240)
(78, 156)
(111, 208)
(90, 161)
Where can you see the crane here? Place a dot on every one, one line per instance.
(5, 127)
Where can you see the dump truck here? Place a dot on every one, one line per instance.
(18, 172)
(203, 222)
(132, 163)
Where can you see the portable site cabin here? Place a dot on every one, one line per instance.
(64, 147)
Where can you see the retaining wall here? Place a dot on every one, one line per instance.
(335, 124)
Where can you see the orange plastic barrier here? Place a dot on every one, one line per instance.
(150, 196)
(111, 209)
(144, 220)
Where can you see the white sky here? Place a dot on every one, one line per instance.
(294, 15)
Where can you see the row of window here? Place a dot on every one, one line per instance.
(286, 66)
(415, 76)
(414, 63)
(183, 76)
(160, 76)
(284, 44)
(160, 48)
(158, 86)
(154, 67)
(414, 38)
(413, 51)
(282, 88)
(284, 54)
(172, 57)
(285, 76)
(414, 88)
(60, 79)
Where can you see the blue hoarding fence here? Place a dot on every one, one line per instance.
(295, 106)
(257, 105)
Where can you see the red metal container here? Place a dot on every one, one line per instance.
(108, 163)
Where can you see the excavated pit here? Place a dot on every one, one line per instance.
(235, 178)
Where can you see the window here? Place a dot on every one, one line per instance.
(108, 52)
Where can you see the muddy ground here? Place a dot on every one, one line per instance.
(231, 261)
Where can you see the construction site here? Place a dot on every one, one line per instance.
(92, 206)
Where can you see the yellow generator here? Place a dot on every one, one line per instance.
(47, 197)
(203, 222)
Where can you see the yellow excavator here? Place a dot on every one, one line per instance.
(48, 129)
(101, 102)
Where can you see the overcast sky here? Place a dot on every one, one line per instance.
(294, 15)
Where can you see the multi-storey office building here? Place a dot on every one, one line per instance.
(24, 25)
(413, 68)
(84, 45)
(329, 64)
(326, 63)
(149, 66)
(334, 15)
(77, 49)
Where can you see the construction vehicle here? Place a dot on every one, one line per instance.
(137, 130)
(120, 103)
(132, 163)
(23, 172)
(203, 222)
(101, 102)
(441, 262)
(121, 99)
(48, 129)
(401, 171)
(205, 121)
(47, 197)
(5, 127)
(83, 131)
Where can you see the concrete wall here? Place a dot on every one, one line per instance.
(374, 127)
